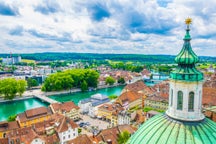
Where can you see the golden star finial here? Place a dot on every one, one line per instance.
(188, 21)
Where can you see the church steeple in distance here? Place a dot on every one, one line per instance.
(185, 98)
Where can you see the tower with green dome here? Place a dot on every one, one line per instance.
(183, 122)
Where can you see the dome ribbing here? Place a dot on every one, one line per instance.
(164, 130)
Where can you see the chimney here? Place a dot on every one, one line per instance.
(109, 141)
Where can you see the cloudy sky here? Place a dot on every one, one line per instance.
(106, 26)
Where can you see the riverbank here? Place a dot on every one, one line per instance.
(31, 93)
(2, 100)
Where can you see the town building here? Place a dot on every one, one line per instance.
(130, 99)
(124, 117)
(81, 139)
(110, 112)
(184, 121)
(58, 129)
(68, 109)
(151, 113)
(6, 127)
(210, 112)
(89, 104)
(11, 60)
(156, 102)
(33, 116)
(67, 130)
(110, 135)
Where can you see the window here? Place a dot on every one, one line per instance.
(63, 137)
(171, 99)
(68, 136)
(180, 100)
(191, 101)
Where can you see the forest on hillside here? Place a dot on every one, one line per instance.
(49, 56)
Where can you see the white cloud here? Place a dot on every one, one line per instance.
(99, 26)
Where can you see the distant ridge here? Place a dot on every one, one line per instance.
(51, 56)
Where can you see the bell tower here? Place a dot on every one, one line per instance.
(185, 94)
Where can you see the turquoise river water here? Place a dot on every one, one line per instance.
(14, 107)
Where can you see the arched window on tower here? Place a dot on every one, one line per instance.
(171, 99)
(180, 100)
(191, 101)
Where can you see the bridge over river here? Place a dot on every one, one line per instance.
(46, 99)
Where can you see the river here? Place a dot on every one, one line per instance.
(14, 107)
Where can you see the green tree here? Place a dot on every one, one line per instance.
(84, 86)
(70, 78)
(112, 97)
(121, 80)
(123, 137)
(110, 80)
(8, 88)
(11, 118)
(32, 82)
(21, 86)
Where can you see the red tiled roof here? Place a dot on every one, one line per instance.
(65, 123)
(129, 96)
(112, 133)
(82, 139)
(4, 141)
(36, 112)
(7, 126)
(209, 96)
(67, 106)
(139, 86)
(114, 108)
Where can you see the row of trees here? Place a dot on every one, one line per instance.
(128, 67)
(9, 87)
(75, 78)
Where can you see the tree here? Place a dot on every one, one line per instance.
(9, 88)
(110, 80)
(71, 78)
(121, 80)
(11, 118)
(112, 96)
(32, 82)
(21, 86)
(84, 86)
(123, 137)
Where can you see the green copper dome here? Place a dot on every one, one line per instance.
(186, 55)
(164, 130)
(186, 60)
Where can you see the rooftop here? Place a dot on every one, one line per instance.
(34, 113)
(6, 126)
(67, 106)
(81, 139)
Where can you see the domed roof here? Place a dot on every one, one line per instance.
(186, 60)
(164, 130)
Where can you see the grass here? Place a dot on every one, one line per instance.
(147, 109)
(111, 97)
(28, 61)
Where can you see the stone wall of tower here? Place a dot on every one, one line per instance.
(186, 87)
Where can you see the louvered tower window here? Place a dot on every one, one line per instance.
(180, 100)
(191, 101)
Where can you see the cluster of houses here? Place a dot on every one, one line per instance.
(42, 125)
(54, 124)
(129, 77)
(57, 122)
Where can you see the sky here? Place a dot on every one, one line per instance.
(106, 26)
